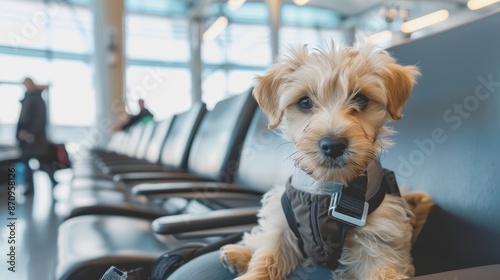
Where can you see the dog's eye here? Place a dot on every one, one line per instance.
(305, 104)
(361, 100)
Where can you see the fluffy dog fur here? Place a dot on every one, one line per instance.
(332, 79)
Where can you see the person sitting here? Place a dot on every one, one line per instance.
(144, 115)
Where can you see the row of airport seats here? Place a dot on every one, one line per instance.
(125, 206)
(211, 157)
(199, 176)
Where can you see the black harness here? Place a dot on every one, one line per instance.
(320, 221)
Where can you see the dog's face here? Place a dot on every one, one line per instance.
(333, 105)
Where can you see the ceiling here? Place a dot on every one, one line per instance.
(329, 14)
(357, 7)
(345, 7)
(348, 8)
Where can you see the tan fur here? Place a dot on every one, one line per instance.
(420, 204)
(236, 258)
(274, 79)
(399, 82)
(331, 78)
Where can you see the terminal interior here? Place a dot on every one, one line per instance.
(194, 63)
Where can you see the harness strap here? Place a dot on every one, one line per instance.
(388, 185)
(292, 223)
(352, 200)
(323, 249)
(332, 262)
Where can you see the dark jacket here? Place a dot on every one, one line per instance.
(144, 114)
(33, 119)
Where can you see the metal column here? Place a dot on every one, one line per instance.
(275, 22)
(196, 65)
(109, 65)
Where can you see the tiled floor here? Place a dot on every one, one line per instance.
(35, 233)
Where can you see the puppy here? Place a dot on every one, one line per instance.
(332, 105)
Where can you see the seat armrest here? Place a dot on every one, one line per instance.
(157, 175)
(489, 272)
(123, 162)
(204, 221)
(193, 190)
(138, 167)
(9, 157)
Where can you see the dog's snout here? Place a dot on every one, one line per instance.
(332, 147)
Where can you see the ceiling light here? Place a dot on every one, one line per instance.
(424, 21)
(379, 37)
(235, 4)
(300, 2)
(215, 29)
(478, 4)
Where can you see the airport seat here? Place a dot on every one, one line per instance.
(448, 146)
(189, 121)
(150, 153)
(98, 164)
(130, 146)
(115, 145)
(213, 157)
(169, 151)
(125, 147)
(154, 146)
(176, 147)
(214, 210)
(140, 154)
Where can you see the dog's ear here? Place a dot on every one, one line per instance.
(399, 81)
(267, 92)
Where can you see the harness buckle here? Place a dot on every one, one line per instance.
(335, 214)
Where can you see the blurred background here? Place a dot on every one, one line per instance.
(171, 52)
(98, 58)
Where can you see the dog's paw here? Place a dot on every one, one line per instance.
(387, 273)
(420, 204)
(235, 258)
(246, 277)
(418, 199)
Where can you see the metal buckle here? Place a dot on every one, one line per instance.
(334, 214)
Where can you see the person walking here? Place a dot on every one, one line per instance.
(31, 132)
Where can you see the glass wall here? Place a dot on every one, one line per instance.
(232, 59)
(166, 90)
(158, 54)
(52, 42)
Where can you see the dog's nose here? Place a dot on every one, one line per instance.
(332, 147)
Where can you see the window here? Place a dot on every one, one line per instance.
(167, 91)
(20, 67)
(233, 59)
(239, 44)
(35, 36)
(158, 56)
(71, 94)
(10, 107)
(219, 84)
(37, 25)
(156, 38)
(70, 98)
